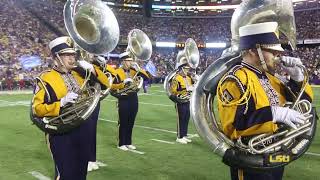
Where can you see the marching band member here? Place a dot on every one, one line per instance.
(182, 85)
(127, 101)
(251, 97)
(62, 87)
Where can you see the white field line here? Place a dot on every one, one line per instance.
(157, 86)
(159, 91)
(151, 128)
(313, 154)
(4, 103)
(150, 94)
(162, 141)
(101, 164)
(16, 92)
(135, 151)
(164, 105)
(38, 175)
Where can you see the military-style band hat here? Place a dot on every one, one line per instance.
(264, 34)
(62, 45)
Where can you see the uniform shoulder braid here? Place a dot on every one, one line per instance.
(234, 87)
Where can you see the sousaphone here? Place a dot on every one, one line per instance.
(258, 153)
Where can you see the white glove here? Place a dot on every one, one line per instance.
(127, 80)
(101, 60)
(287, 116)
(69, 98)
(291, 66)
(190, 88)
(196, 77)
(85, 65)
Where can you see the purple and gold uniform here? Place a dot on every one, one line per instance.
(127, 105)
(69, 150)
(248, 93)
(180, 86)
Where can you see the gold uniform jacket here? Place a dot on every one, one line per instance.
(58, 85)
(179, 84)
(121, 75)
(245, 98)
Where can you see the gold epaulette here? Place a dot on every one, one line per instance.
(43, 72)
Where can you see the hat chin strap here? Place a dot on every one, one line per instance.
(184, 71)
(261, 58)
(63, 65)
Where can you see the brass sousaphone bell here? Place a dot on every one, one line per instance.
(140, 49)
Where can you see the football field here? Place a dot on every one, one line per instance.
(24, 154)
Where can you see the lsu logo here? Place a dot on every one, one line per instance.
(279, 158)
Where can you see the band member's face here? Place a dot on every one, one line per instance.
(127, 64)
(270, 56)
(68, 60)
(185, 70)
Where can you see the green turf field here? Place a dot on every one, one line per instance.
(23, 149)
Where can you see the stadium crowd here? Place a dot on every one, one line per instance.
(27, 27)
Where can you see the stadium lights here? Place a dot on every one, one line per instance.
(194, 7)
(165, 44)
(131, 5)
(216, 45)
(223, 7)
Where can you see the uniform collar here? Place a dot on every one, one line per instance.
(252, 68)
(59, 71)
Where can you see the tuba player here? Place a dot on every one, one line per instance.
(251, 97)
(182, 86)
(127, 101)
(63, 87)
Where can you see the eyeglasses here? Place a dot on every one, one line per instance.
(274, 52)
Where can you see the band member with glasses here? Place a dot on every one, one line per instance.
(251, 96)
(70, 150)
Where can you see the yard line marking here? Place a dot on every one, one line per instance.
(159, 91)
(311, 153)
(38, 175)
(166, 105)
(101, 164)
(4, 103)
(150, 94)
(15, 92)
(150, 128)
(192, 136)
(135, 151)
(156, 86)
(144, 127)
(162, 141)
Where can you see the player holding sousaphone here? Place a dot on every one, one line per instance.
(265, 121)
(179, 85)
(128, 81)
(66, 96)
